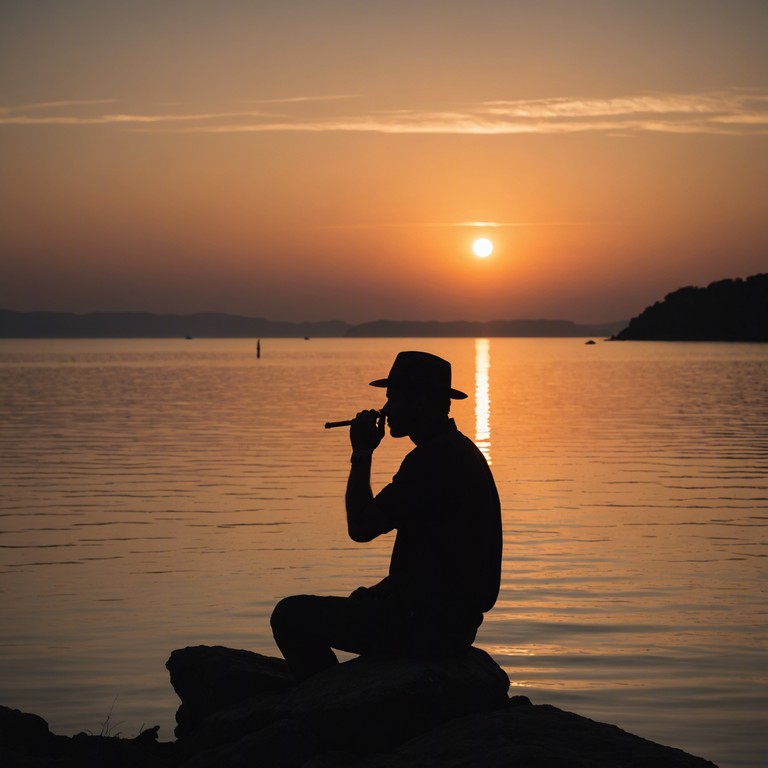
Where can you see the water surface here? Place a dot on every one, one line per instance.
(164, 493)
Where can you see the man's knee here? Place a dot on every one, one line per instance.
(289, 614)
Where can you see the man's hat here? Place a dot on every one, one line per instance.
(421, 371)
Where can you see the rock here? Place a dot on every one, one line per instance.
(534, 737)
(18, 727)
(374, 703)
(282, 744)
(366, 704)
(26, 742)
(232, 723)
(210, 678)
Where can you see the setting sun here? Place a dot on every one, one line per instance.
(482, 247)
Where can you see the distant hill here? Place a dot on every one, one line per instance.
(493, 328)
(727, 310)
(121, 325)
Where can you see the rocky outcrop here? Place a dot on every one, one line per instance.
(26, 742)
(527, 736)
(728, 310)
(243, 709)
(208, 679)
(365, 705)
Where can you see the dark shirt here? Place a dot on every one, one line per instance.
(444, 504)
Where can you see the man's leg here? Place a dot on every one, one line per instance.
(307, 627)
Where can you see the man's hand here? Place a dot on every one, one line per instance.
(366, 431)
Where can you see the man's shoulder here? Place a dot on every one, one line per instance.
(448, 445)
(452, 438)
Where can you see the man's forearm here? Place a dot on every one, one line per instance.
(359, 497)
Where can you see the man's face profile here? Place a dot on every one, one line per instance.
(404, 412)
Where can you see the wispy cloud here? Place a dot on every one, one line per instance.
(306, 99)
(33, 107)
(29, 115)
(134, 119)
(734, 112)
(650, 104)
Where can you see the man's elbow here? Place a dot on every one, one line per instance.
(362, 522)
(360, 534)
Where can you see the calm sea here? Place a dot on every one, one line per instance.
(164, 493)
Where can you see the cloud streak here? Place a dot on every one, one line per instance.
(53, 105)
(735, 112)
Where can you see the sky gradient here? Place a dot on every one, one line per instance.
(314, 160)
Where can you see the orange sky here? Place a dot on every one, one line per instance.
(316, 160)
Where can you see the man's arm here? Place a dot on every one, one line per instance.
(365, 434)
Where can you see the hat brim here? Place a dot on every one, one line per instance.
(454, 394)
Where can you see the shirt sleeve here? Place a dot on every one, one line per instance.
(404, 496)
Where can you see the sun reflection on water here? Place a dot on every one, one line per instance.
(483, 397)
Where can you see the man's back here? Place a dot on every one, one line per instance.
(445, 506)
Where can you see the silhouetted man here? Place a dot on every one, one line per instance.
(446, 562)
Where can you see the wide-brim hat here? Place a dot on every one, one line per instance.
(421, 371)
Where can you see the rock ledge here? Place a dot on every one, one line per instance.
(242, 709)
